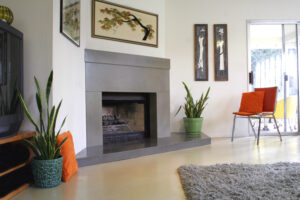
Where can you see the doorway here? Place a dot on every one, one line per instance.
(274, 61)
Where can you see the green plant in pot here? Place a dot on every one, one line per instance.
(193, 111)
(47, 163)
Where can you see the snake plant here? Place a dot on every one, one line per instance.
(193, 109)
(44, 144)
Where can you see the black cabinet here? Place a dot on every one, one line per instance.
(11, 79)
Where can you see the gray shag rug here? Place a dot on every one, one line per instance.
(241, 181)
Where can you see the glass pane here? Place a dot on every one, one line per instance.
(289, 119)
(266, 55)
(10, 74)
(273, 61)
(3, 43)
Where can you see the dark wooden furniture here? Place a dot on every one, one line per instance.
(16, 139)
(11, 79)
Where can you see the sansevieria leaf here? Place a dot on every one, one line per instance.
(55, 118)
(62, 124)
(44, 144)
(48, 90)
(27, 112)
(33, 147)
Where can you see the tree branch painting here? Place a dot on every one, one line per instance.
(116, 22)
(119, 18)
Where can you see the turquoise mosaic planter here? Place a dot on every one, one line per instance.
(47, 173)
(6, 14)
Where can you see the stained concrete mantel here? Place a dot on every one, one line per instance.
(118, 72)
(112, 58)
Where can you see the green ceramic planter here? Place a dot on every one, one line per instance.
(47, 173)
(6, 14)
(193, 125)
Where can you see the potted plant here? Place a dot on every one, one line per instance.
(47, 163)
(193, 111)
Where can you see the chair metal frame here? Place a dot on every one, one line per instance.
(259, 116)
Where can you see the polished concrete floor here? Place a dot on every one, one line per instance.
(155, 176)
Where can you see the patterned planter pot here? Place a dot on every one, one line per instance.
(6, 14)
(47, 173)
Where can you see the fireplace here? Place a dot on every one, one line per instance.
(127, 98)
(125, 117)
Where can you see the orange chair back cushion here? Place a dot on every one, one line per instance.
(252, 102)
(70, 166)
(269, 99)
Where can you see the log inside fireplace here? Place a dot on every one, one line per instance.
(125, 117)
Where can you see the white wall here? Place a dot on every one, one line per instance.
(34, 19)
(69, 80)
(225, 96)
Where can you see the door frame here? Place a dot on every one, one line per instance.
(275, 22)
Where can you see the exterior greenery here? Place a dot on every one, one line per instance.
(44, 144)
(194, 109)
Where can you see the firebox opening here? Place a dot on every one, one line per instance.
(125, 117)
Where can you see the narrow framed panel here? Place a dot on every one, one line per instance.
(201, 52)
(221, 52)
(70, 20)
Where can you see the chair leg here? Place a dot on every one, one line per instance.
(277, 127)
(233, 127)
(252, 127)
(258, 131)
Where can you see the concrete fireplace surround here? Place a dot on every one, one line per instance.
(118, 72)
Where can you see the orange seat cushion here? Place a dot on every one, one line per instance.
(269, 98)
(252, 102)
(244, 113)
(69, 159)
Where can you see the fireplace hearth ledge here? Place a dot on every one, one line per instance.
(177, 141)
